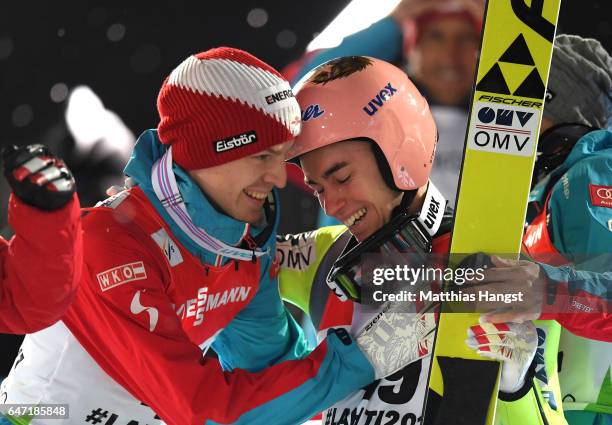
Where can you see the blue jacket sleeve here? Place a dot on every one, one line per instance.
(342, 371)
(382, 40)
(581, 230)
(262, 334)
(581, 301)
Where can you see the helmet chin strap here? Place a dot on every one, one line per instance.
(383, 165)
(432, 211)
(407, 199)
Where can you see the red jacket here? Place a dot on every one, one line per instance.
(40, 266)
(146, 307)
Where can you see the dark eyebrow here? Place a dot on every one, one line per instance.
(331, 170)
(269, 151)
(276, 150)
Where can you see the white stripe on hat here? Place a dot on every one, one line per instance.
(237, 81)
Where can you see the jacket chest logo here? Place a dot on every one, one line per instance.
(167, 245)
(208, 302)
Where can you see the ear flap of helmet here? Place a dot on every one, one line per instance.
(383, 165)
(385, 171)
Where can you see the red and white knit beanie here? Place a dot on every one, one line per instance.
(224, 104)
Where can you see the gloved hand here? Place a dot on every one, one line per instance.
(394, 338)
(37, 177)
(514, 344)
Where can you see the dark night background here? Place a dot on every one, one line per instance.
(123, 50)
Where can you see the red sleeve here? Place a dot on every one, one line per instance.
(581, 311)
(596, 326)
(593, 326)
(40, 267)
(125, 320)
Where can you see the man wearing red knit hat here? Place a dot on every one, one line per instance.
(183, 262)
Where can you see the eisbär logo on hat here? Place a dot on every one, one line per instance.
(222, 105)
(235, 141)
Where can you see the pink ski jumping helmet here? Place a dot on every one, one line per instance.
(362, 97)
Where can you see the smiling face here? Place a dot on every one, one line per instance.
(240, 188)
(350, 187)
(444, 59)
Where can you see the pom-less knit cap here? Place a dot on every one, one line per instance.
(580, 82)
(224, 104)
(413, 28)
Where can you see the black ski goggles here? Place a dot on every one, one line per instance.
(404, 234)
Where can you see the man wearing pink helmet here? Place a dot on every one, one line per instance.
(367, 146)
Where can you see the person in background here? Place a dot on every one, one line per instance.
(571, 219)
